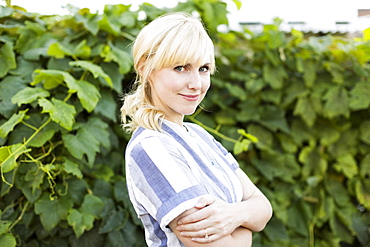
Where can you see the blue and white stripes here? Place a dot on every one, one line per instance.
(167, 172)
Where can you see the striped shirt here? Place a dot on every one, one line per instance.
(167, 172)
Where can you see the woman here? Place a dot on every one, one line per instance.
(185, 187)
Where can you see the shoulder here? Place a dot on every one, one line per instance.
(201, 132)
(198, 129)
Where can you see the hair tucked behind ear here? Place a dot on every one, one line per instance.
(176, 38)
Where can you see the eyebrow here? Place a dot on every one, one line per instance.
(202, 65)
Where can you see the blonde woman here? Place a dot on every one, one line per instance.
(185, 187)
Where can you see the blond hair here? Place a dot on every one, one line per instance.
(175, 38)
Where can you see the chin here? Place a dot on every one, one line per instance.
(187, 113)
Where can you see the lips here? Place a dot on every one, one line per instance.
(190, 97)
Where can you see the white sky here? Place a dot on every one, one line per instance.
(317, 14)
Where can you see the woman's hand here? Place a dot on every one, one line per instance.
(214, 218)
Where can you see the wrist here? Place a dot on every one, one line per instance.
(239, 214)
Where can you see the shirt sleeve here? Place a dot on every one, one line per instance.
(161, 180)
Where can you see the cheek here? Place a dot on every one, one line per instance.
(206, 85)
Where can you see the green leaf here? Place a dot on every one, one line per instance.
(273, 118)
(60, 50)
(365, 167)
(90, 21)
(337, 102)
(5, 11)
(88, 139)
(112, 70)
(273, 56)
(4, 226)
(238, 4)
(121, 57)
(347, 164)
(273, 164)
(362, 194)
(287, 143)
(236, 91)
(274, 75)
(28, 187)
(103, 172)
(276, 230)
(360, 96)
(57, 50)
(44, 135)
(300, 214)
(305, 109)
(263, 135)
(347, 143)
(77, 189)
(50, 78)
(80, 222)
(365, 132)
(7, 240)
(82, 219)
(92, 205)
(294, 90)
(9, 86)
(52, 211)
(114, 221)
(336, 70)
(224, 118)
(72, 168)
(314, 162)
(28, 95)
(309, 74)
(9, 125)
(327, 133)
(246, 135)
(213, 14)
(94, 69)
(270, 95)
(255, 85)
(337, 190)
(34, 179)
(109, 25)
(340, 229)
(7, 59)
(60, 112)
(241, 146)
(326, 209)
(32, 35)
(88, 94)
(107, 106)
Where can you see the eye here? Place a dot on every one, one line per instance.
(204, 68)
(180, 68)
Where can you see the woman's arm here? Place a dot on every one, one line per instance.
(239, 237)
(221, 218)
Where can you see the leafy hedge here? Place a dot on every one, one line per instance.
(62, 150)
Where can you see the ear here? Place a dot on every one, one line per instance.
(140, 67)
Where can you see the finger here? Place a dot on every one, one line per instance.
(197, 234)
(193, 218)
(205, 201)
(193, 227)
(211, 238)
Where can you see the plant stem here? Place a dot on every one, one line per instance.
(20, 216)
(213, 131)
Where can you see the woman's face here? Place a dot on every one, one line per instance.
(179, 89)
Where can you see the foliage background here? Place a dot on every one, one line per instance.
(62, 149)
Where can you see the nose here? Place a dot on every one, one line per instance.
(195, 81)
